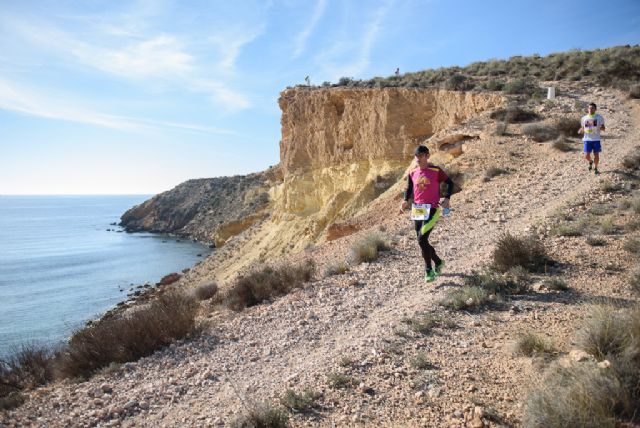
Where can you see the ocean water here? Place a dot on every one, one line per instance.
(59, 266)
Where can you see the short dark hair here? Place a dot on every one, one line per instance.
(421, 149)
(594, 105)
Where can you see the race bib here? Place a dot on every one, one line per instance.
(420, 211)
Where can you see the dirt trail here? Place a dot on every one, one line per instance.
(352, 323)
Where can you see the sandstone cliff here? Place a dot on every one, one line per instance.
(340, 150)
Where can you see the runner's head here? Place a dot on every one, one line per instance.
(422, 155)
(591, 108)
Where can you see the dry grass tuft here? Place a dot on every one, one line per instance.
(367, 249)
(336, 268)
(28, 368)
(299, 402)
(530, 344)
(466, 297)
(527, 252)
(563, 145)
(261, 415)
(514, 114)
(267, 282)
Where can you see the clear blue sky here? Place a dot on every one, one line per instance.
(137, 96)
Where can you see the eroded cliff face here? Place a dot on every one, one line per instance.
(341, 149)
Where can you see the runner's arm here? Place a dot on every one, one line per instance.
(408, 193)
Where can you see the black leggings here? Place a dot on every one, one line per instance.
(428, 252)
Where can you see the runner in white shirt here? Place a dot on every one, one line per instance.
(590, 126)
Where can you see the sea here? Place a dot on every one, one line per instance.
(64, 262)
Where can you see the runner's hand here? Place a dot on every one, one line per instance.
(403, 206)
(445, 203)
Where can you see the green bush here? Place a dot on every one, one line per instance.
(527, 252)
(266, 282)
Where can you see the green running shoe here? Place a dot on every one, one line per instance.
(429, 275)
(596, 172)
(439, 267)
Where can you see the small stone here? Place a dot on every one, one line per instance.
(579, 355)
(604, 364)
(144, 405)
(458, 414)
(106, 388)
(131, 405)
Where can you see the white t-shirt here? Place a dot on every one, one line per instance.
(591, 126)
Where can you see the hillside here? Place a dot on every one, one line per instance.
(359, 339)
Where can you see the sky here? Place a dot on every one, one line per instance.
(137, 96)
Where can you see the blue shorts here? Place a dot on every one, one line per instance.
(592, 146)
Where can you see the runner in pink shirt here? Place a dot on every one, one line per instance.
(423, 184)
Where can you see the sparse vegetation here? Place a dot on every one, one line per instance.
(261, 415)
(422, 325)
(540, 132)
(267, 282)
(127, 338)
(596, 241)
(634, 91)
(607, 225)
(567, 229)
(527, 252)
(584, 393)
(613, 67)
(421, 362)
(367, 249)
(530, 344)
(555, 284)
(632, 161)
(336, 268)
(299, 402)
(339, 381)
(466, 297)
(512, 282)
(632, 245)
(634, 279)
(206, 291)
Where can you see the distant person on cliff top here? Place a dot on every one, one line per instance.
(590, 126)
(423, 185)
(398, 71)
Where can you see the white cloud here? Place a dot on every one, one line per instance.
(34, 102)
(301, 39)
(161, 58)
(358, 52)
(230, 44)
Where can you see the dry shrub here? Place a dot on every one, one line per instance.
(540, 132)
(206, 291)
(581, 395)
(563, 145)
(530, 344)
(632, 161)
(555, 284)
(634, 279)
(604, 333)
(367, 249)
(514, 281)
(584, 394)
(29, 367)
(634, 91)
(527, 252)
(466, 297)
(266, 282)
(129, 337)
(299, 402)
(261, 415)
(632, 245)
(336, 268)
(514, 114)
(568, 126)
